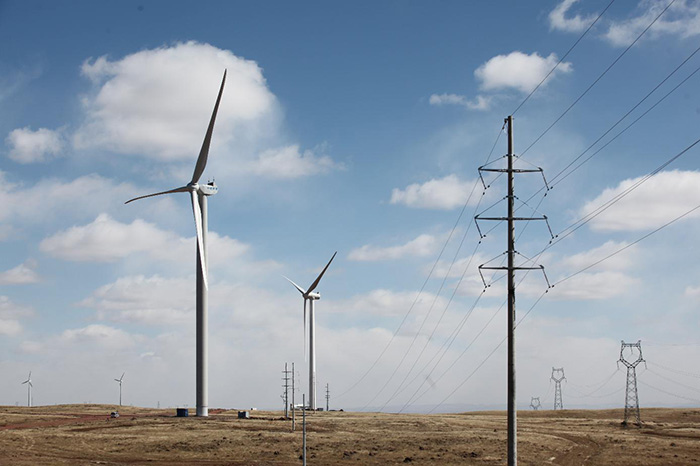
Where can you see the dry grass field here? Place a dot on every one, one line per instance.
(84, 434)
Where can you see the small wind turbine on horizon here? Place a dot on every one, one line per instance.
(310, 296)
(29, 389)
(119, 380)
(198, 195)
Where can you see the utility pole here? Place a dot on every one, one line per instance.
(328, 396)
(294, 408)
(286, 391)
(631, 398)
(535, 403)
(557, 387)
(511, 268)
(303, 428)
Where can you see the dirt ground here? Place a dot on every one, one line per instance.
(84, 434)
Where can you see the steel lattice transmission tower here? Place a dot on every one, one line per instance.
(535, 403)
(558, 403)
(631, 396)
(510, 171)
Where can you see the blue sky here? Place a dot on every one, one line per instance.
(355, 127)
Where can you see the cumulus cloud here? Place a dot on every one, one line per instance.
(21, 275)
(385, 303)
(10, 315)
(594, 286)
(423, 245)
(618, 262)
(108, 240)
(559, 21)
(660, 199)
(135, 110)
(27, 146)
(480, 102)
(519, 71)
(148, 300)
(98, 335)
(682, 19)
(290, 162)
(51, 198)
(442, 193)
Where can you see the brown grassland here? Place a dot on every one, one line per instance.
(84, 434)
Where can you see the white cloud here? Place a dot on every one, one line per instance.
(22, 274)
(107, 240)
(480, 102)
(593, 286)
(692, 291)
(137, 299)
(620, 261)
(682, 19)
(660, 199)
(518, 70)
(51, 199)
(98, 335)
(443, 193)
(158, 102)
(27, 146)
(289, 162)
(10, 313)
(383, 302)
(423, 245)
(559, 21)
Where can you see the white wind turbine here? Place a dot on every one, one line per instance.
(198, 193)
(310, 296)
(29, 389)
(119, 380)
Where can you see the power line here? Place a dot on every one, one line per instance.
(466, 203)
(598, 78)
(563, 57)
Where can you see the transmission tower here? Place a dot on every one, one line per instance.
(631, 398)
(511, 268)
(558, 404)
(535, 403)
(285, 396)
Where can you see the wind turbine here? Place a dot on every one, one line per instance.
(29, 389)
(120, 387)
(198, 195)
(311, 296)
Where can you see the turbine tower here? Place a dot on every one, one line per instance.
(310, 296)
(119, 380)
(557, 387)
(29, 389)
(198, 195)
(631, 396)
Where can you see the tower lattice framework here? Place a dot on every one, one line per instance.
(558, 376)
(631, 394)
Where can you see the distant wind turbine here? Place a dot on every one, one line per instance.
(310, 296)
(29, 389)
(119, 380)
(198, 193)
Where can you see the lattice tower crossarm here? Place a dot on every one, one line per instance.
(558, 403)
(631, 393)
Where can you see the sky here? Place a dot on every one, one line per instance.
(356, 127)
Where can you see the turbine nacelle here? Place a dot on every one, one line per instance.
(313, 295)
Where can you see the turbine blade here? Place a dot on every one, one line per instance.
(204, 152)
(301, 290)
(24, 382)
(176, 190)
(120, 378)
(30, 384)
(318, 279)
(305, 329)
(198, 224)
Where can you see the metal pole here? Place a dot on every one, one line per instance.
(286, 392)
(294, 409)
(328, 395)
(512, 414)
(303, 423)
(202, 320)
